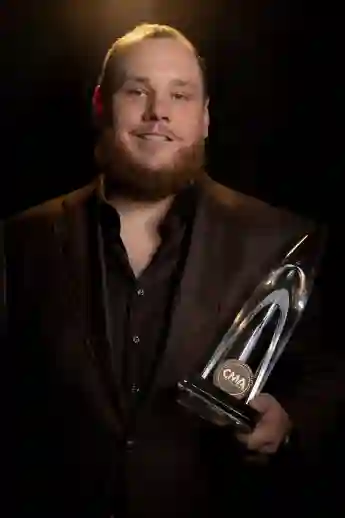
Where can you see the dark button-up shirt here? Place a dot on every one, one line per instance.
(140, 308)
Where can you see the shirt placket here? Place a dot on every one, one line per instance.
(134, 334)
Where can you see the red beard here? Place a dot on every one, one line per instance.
(133, 180)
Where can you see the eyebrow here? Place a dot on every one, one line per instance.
(146, 81)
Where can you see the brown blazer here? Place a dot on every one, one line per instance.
(68, 453)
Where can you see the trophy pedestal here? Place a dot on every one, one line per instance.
(209, 402)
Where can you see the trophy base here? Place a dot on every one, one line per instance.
(209, 402)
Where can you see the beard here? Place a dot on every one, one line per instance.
(129, 178)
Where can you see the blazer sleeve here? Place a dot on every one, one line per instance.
(308, 382)
(2, 285)
(6, 389)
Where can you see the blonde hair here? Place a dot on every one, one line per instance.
(108, 78)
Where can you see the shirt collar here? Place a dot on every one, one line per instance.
(180, 213)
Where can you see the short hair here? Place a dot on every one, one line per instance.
(107, 78)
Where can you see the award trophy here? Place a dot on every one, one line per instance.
(242, 362)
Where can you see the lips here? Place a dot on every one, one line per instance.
(159, 137)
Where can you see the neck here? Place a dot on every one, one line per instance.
(149, 212)
(144, 215)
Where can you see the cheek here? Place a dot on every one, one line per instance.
(125, 117)
(191, 124)
(192, 132)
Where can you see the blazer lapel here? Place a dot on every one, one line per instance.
(86, 341)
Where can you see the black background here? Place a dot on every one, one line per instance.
(275, 72)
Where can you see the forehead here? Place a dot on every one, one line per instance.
(162, 59)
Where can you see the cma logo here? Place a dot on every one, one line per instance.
(233, 377)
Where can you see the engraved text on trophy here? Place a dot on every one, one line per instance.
(233, 377)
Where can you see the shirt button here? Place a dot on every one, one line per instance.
(130, 443)
(140, 292)
(136, 339)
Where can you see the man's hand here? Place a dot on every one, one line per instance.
(272, 428)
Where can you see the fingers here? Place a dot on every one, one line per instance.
(262, 441)
(263, 403)
(272, 428)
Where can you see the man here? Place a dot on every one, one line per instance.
(117, 291)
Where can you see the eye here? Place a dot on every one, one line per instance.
(135, 92)
(181, 96)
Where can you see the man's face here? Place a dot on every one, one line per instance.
(160, 118)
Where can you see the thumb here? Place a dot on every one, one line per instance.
(261, 403)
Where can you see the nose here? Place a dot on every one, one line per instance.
(157, 109)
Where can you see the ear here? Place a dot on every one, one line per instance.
(206, 118)
(97, 105)
(102, 116)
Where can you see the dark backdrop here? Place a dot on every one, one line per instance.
(276, 113)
